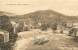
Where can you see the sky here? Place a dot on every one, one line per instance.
(67, 7)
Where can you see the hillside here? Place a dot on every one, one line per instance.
(41, 16)
(6, 13)
(48, 16)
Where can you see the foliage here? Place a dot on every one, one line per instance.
(5, 23)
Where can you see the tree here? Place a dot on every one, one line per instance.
(53, 26)
(5, 23)
(44, 26)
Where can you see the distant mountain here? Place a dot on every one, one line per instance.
(44, 13)
(6, 13)
(50, 15)
(41, 16)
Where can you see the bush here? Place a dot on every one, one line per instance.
(54, 26)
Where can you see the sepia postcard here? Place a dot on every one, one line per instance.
(38, 24)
